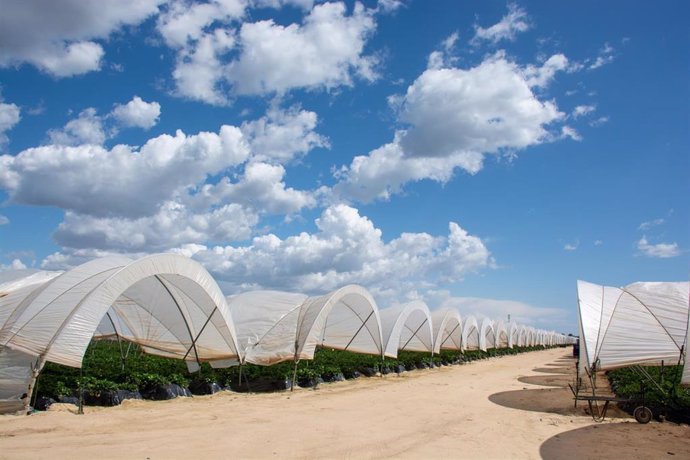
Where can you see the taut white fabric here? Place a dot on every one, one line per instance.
(513, 335)
(407, 327)
(642, 323)
(266, 325)
(12, 280)
(447, 325)
(470, 334)
(487, 335)
(15, 366)
(169, 304)
(502, 337)
(15, 376)
(345, 319)
(522, 336)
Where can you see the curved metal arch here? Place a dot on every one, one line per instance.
(441, 320)
(314, 314)
(501, 330)
(399, 317)
(469, 325)
(78, 328)
(486, 327)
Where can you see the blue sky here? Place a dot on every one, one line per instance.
(476, 154)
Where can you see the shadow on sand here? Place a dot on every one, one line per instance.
(555, 380)
(548, 400)
(553, 370)
(619, 440)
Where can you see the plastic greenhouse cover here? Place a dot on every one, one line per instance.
(407, 327)
(447, 326)
(345, 319)
(642, 323)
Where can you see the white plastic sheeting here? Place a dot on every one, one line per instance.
(642, 323)
(470, 334)
(266, 325)
(13, 280)
(502, 335)
(487, 335)
(447, 325)
(513, 334)
(168, 303)
(345, 319)
(15, 375)
(16, 367)
(273, 326)
(407, 327)
(171, 306)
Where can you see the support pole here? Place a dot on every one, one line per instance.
(294, 376)
(32, 392)
(33, 385)
(81, 391)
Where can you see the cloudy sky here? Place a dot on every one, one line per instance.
(478, 154)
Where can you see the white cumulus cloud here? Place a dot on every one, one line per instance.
(174, 224)
(261, 187)
(60, 39)
(481, 109)
(183, 23)
(659, 250)
(87, 128)
(384, 171)
(16, 264)
(174, 190)
(571, 246)
(283, 134)
(452, 118)
(582, 110)
(347, 248)
(541, 76)
(137, 113)
(322, 52)
(200, 73)
(10, 114)
(507, 28)
(125, 181)
(221, 54)
(606, 56)
(651, 223)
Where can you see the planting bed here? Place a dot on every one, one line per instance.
(107, 378)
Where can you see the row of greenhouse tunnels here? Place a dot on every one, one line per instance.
(170, 306)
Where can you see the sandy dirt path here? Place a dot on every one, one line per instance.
(509, 407)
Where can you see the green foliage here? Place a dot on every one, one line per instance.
(95, 385)
(147, 380)
(628, 383)
(110, 366)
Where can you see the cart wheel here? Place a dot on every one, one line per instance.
(642, 414)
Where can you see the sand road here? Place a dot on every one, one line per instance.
(509, 407)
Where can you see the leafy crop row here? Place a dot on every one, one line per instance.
(108, 367)
(670, 400)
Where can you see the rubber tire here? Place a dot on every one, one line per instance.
(642, 414)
